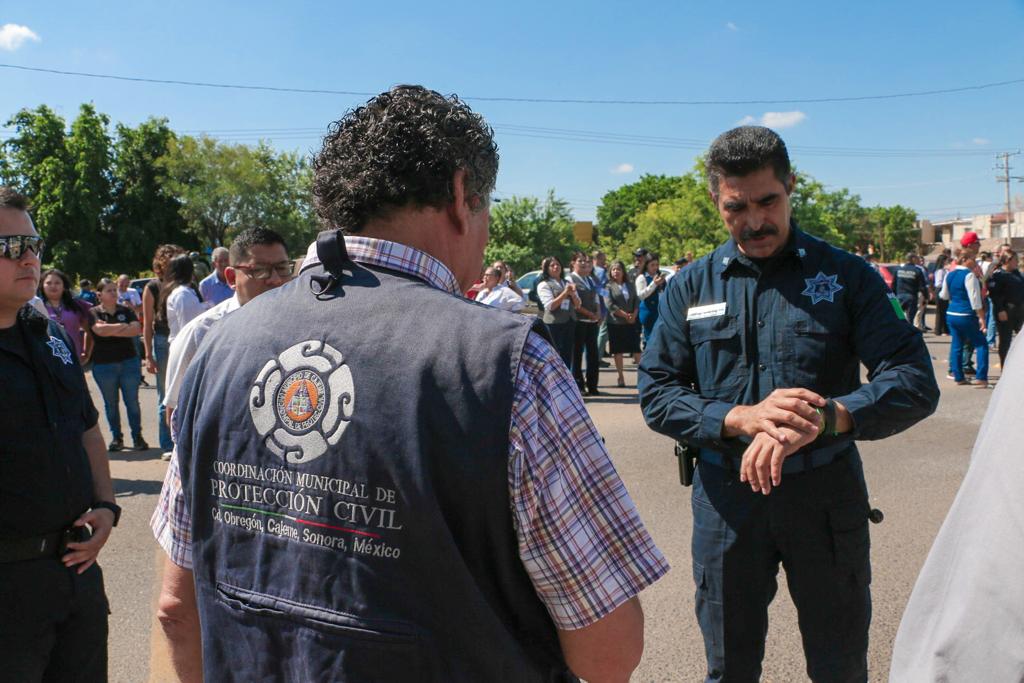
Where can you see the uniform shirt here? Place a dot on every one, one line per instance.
(974, 292)
(215, 290)
(910, 281)
(45, 478)
(733, 330)
(585, 554)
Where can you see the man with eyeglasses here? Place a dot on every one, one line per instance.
(57, 504)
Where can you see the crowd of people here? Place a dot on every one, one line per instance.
(372, 478)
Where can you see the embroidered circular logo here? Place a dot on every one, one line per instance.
(302, 401)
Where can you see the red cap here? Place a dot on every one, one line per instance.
(970, 237)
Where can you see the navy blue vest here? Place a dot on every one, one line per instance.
(908, 282)
(345, 458)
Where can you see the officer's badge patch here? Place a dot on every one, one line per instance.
(60, 350)
(822, 288)
(302, 401)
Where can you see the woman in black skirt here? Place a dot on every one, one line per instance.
(623, 330)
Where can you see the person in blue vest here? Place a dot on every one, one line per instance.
(966, 318)
(383, 480)
(909, 283)
(755, 365)
(57, 506)
(649, 285)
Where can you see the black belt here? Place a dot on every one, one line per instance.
(804, 461)
(35, 547)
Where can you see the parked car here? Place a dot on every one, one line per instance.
(139, 284)
(888, 273)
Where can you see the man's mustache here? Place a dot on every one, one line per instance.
(764, 231)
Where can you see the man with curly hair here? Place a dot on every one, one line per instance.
(392, 482)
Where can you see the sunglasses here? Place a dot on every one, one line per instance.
(15, 246)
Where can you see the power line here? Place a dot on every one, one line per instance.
(529, 100)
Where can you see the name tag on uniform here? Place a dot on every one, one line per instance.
(709, 311)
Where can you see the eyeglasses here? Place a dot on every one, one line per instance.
(15, 246)
(263, 272)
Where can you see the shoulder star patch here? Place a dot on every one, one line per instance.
(822, 288)
(60, 350)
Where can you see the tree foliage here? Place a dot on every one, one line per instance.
(103, 204)
(525, 229)
(143, 212)
(619, 208)
(223, 189)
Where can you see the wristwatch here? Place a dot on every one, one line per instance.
(113, 507)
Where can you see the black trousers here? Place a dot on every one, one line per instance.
(816, 525)
(940, 315)
(586, 340)
(53, 623)
(1006, 329)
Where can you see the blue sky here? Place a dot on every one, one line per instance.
(577, 50)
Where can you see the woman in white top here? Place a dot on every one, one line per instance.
(558, 301)
(180, 298)
(938, 278)
(494, 291)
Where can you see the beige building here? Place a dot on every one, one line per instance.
(992, 229)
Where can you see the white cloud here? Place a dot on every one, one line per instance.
(13, 36)
(775, 119)
(980, 141)
(782, 119)
(623, 168)
(731, 26)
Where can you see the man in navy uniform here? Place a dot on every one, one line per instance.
(54, 483)
(755, 363)
(910, 283)
(384, 481)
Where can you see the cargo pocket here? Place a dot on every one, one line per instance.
(851, 540)
(384, 648)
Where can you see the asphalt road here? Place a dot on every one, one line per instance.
(912, 478)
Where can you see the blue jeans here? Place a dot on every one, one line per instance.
(161, 350)
(122, 376)
(990, 326)
(964, 329)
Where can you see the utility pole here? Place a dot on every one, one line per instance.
(1006, 178)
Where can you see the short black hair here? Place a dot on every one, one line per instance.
(243, 243)
(401, 149)
(744, 150)
(12, 199)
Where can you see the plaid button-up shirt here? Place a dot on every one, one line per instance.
(580, 537)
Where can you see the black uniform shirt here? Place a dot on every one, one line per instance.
(910, 281)
(45, 407)
(731, 330)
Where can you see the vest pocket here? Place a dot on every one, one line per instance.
(385, 649)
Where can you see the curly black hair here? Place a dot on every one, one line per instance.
(744, 150)
(402, 148)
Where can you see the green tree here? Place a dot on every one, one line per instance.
(619, 208)
(671, 227)
(143, 213)
(36, 164)
(892, 231)
(83, 244)
(224, 188)
(525, 229)
(836, 217)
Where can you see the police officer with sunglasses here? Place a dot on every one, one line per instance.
(57, 504)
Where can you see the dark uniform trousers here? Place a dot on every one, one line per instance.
(59, 633)
(816, 525)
